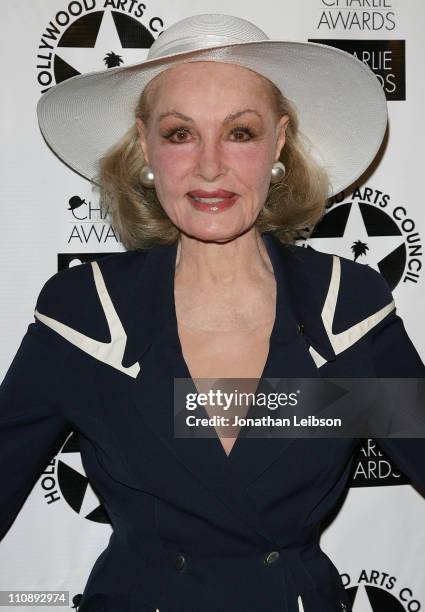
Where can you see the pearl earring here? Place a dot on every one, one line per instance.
(147, 177)
(278, 172)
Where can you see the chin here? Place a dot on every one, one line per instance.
(214, 233)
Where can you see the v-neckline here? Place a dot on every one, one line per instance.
(274, 335)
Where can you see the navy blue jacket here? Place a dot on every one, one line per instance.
(194, 529)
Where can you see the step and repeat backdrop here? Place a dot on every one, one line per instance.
(51, 220)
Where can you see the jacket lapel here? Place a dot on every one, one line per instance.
(289, 357)
(153, 340)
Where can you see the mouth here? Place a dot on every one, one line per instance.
(211, 197)
(212, 201)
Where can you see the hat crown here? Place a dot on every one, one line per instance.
(205, 30)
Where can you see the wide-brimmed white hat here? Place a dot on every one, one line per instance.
(341, 106)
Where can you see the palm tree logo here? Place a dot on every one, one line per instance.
(359, 248)
(112, 60)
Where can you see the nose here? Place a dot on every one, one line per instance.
(210, 160)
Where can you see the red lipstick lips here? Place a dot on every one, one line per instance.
(221, 200)
(219, 193)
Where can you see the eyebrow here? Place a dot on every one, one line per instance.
(227, 119)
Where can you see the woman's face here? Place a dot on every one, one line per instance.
(212, 128)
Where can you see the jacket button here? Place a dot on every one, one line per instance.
(300, 328)
(271, 557)
(343, 605)
(179, 562)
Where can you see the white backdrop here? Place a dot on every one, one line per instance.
(377, 538)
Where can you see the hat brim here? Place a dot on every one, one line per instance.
(340, 103)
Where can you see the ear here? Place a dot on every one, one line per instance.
(142, 138)
(281, 135)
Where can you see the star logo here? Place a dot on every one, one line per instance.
(371, 598)
(95, 41)
(75, 485)
(356, 232)
(104, 44)
(367, 234)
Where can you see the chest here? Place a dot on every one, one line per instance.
(226, 335)
(225, 354)
(240, 353)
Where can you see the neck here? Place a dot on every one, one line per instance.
(220, 264)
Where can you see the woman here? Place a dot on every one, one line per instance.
(207, 189)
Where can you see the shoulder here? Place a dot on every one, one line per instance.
(84, 306)
(356, 290)
(72, 295)
(352, 274)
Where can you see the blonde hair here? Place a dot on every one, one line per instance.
(295, 204)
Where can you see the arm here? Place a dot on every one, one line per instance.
(32, 427)
(395, 356)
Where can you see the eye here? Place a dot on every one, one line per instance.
(245, 131)
(178, 132)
